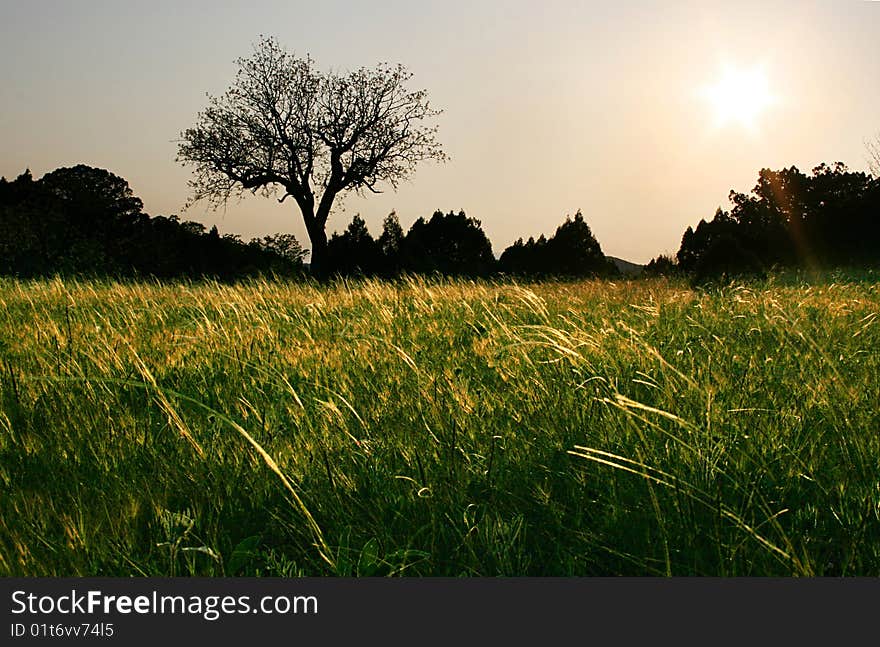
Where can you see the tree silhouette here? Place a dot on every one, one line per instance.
(282, 124)
(89, 191)
(725, 257)
(31, 228)
(391, 245)
(873, 146)
(353, 252)
(572, 251)
(526, 259)
(86, 221)
(450, 244)
(17, 190)
(828, 218)
(285, 246)
(662, 265)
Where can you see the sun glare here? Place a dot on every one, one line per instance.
(740, 96)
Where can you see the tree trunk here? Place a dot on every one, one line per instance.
(318, 262)
(317, 228)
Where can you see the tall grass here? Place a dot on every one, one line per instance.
(440, 428)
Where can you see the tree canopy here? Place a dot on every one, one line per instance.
(87, 221)
(828, 218)
(449, 244)
(572, 251)
(873, 146)
(283, 126)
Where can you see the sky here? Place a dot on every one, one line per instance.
(621, 110)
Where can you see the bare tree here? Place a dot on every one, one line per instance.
(873, 146)
(283, 125)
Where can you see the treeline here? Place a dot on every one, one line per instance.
(571, 251)
(86, 221)
(83, 220)
(453, 244)
(828, 219)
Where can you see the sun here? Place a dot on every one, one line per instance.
(740, 96)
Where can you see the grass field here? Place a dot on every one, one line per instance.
(440, 428)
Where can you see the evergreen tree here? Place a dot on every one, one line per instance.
(391, 245)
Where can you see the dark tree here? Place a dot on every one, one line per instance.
(90, 192)
(695, 243)
(86, 221)
(391, 245)
(573, 251)
(663, 265)
(353, 252)
(315, 136)
(526, 259)
(828, 218)
(873, 146)
(19, 189)
(101, 213)
(514, 258)
(32, 236)
(285, 246)
(450, 244)
(726, 258)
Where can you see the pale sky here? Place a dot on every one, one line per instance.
(549, 107)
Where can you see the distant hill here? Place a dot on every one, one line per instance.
(626, 268)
